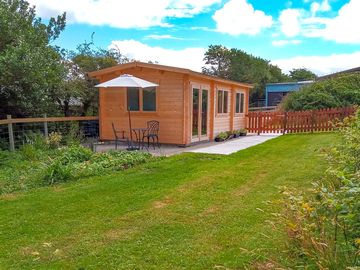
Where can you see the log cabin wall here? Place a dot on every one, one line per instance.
(169, 105)
(222, 121)
(240, 118)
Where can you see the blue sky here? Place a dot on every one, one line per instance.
(317, 34)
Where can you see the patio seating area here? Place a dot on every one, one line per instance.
(139, 138)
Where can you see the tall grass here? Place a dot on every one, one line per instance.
(323, 223)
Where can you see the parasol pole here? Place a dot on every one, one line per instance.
(130, 124)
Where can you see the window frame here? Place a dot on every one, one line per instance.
(240, 93)
(141, 100)
(222, 102)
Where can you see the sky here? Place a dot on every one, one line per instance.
(320, 35)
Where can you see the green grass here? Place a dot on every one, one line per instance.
(191, 211)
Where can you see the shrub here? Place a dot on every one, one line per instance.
(3, 157)
(323, 224)
(37, 140)
(54, 140)
(242, 132)
(29, 152)
(30, 167)
(222, 136)
(73, 154)
(76, 161)
(340, 91)
(74, 135)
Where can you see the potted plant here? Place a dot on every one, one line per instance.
(242, 132)
(222, 136)
(236, 133)
(230, 134)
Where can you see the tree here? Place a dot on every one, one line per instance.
(218, 61)
(30, 68)
(302, 74)
(237, 65)
(77, 85)
(340, 91)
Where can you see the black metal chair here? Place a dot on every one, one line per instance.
(152, 132)
(119, 136)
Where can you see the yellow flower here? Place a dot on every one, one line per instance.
(307, 207)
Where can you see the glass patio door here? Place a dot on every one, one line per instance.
(200, 105)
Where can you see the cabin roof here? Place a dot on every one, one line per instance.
(99, 73)
(289, 83)
(352, 70)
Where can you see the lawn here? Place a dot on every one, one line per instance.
(191, 211)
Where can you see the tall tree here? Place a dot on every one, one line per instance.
(302, 74)
(76, 85)
(30, 67)
(217, 60)
(240, 66)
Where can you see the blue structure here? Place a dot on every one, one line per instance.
(275, 92)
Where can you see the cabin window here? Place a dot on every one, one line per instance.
(133, 95)
(149, 99)
(222, 99)
(240, 99)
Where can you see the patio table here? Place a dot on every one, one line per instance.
(139, 133)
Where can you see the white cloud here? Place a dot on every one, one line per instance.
(122, 13)
(321, 65)
(284, 42)
(238, 17)
(191, 58)
(342, 28)
(159, 37)
(320, 7)
(289, 22)
(294, 22)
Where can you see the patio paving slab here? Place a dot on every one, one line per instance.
(234, 145)
(222, 148)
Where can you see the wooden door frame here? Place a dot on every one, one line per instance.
(199, 137)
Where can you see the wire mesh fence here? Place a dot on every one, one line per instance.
(16, 132)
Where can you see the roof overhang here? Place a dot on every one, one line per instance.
(98, 74)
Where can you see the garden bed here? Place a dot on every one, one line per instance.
(38, 164)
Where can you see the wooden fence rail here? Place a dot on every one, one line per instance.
(10, 120)
(296, 122)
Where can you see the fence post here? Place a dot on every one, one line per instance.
(11, 134)
(312, 121)
(46, 130)
(285, 122)
(260, 123)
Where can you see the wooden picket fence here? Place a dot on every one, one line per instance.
(296, 122)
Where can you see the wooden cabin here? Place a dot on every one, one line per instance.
(190, 106)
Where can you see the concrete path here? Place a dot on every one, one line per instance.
(234, 145)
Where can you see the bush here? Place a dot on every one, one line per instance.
(323, 224)
(222, 136)
(340, 91)
(54, 140)
(62, 168)
(30, 167)
(29, 152)
(74, 154)
(242, 132)
(37, 140)
(76, 161)
(74, 135)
